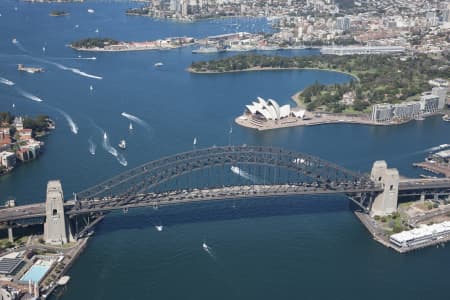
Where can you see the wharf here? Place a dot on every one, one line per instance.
(382, 237)
(434, 168)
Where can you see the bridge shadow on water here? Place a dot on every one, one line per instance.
(223, 210)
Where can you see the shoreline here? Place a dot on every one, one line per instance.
(257, 69)
(324, 119)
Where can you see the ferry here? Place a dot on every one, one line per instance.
(30, 70)
(159, 64)
(207, 50)
(122, 144)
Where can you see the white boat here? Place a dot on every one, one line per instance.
(14, 41)
(130, 127)
(419, 118)
(91, 11)
(159, 64)
(205, 247)
(91, 87)
(443, 146)
(235, 170)
(195, 141)
(122, 144)
(159, 227)
(43, 49)
(105, 136)
(96, 30)
(446, 118)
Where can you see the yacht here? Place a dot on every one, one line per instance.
(122, 144)
(91, 11)
(159, 64)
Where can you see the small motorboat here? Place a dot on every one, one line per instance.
(122, 144)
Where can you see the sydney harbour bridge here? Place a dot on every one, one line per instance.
(220, 173)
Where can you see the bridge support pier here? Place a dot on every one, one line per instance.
(386, 202)
(56, 227)
(10, 234)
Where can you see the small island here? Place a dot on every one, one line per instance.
(377, 78)
(59, 13)
(19, 139)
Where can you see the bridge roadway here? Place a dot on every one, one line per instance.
(37, 210)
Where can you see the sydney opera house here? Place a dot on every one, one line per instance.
(263, 110)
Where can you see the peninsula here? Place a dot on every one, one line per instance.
(378, 78)
(111, 45)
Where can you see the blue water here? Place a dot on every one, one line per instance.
(35, 273)
(296, 247)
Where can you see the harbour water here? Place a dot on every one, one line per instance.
(305, 247)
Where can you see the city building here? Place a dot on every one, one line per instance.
(440, 92)
(429, 103)
(382, 112)
(342, 23)
(5, 138)
(351, 50)
(7, 159)
(406, 110)
(421, 235)
(439, 82)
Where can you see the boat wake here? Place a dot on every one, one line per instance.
(113, 151)
(75, 58)
(92, 147)
(29, 96)
(6, 81)
(65, 68)
(73, 126)
(76, 71)
(137, 120)
(244, 174)
(20, 46)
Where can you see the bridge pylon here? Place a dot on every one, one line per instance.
(56, 227)
(385, 203)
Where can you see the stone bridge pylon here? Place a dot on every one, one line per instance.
(56, 227)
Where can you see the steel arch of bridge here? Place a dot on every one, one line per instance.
(154, 173)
